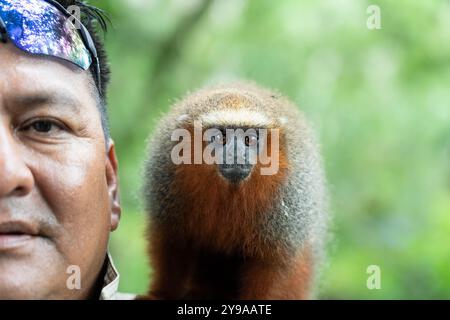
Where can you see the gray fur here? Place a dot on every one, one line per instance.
(301, 203)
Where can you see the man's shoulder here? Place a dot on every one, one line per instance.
(110, 289)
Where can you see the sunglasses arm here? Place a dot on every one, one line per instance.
(97, 73)
(3, 34)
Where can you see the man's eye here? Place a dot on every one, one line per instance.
(44, 126)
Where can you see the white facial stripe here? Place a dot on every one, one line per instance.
(241, 117)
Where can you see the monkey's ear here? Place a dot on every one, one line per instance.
(183, 118)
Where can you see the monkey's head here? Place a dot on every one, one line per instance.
(232, 158)
(230, 135)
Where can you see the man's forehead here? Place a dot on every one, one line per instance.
(23, 74)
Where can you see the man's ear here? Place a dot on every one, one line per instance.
(112, 179)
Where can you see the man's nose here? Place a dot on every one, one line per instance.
(16, 179)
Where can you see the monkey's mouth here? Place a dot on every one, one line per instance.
(235, 173)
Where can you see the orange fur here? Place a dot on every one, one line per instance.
(217, 250)
(224, 216)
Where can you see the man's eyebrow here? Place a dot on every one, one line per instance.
(57, 99)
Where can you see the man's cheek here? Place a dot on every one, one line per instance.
(73, 184)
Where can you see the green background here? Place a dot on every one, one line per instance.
(379, 99)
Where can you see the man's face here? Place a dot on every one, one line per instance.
(58, 183)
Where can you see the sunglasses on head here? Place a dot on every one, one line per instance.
(44, 27)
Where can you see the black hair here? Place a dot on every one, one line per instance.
(96, 22)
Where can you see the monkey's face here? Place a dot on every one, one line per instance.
(232, 144)
(236, 151)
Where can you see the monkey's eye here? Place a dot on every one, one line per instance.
(251, 140)
(220, 138)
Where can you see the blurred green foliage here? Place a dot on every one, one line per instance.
(379, 99)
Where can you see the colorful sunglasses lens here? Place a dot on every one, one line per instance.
(37, 27)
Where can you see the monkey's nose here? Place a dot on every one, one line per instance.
(235, 173)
